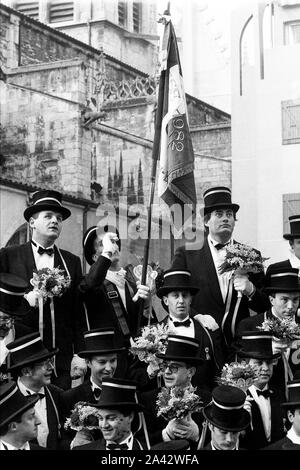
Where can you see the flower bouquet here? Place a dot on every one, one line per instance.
(153, 340)
(47, 283)
(238, 374)
(284, 329)
(178, 402)
(242, 258)
(83, 416)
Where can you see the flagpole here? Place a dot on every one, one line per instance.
(155, 155)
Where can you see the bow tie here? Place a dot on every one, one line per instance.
(264, 393)
(186, 323)
(116, 446)
(41, 250)
(219, 246)
(41, 395)
(97, 393)
(48, 251)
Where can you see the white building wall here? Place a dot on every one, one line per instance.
(262, 168)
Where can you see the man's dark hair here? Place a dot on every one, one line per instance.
(5, 427)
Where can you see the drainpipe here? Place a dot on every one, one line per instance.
(84, 229)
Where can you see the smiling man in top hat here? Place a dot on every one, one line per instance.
(216, 297)
(32, 364)
(116, 410)
(13, 307)
(283, 288)
(18, 420)
(226, 417)
(101, 354)
(63, 327)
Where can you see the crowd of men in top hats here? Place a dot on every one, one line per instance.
(85, 335)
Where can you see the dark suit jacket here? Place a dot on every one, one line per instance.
(210, 350)
(255, 438)
(209, 299)
(283, 444)
(155, 425)
(69, 314)
(54, 438)
(101, 445)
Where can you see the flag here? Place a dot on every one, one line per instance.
(172, 139)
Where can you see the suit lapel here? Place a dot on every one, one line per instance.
(212, 275)
(51, 420)
(29, 263)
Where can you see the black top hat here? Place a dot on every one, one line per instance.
(182, 348)
(90, 236)
(256, 344)
(44, 200)
(295, 228)
(218, 198)
(293, 387)
(13, 402)
(99, 341)
(174, 280)
(28, 350)
(282, 280)
(226, 409)
(118, 393)
(12, 290)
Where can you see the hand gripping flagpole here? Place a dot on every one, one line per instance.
(155, 155)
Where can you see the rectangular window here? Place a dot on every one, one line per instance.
(60, 11)
(290, 122)
(28, 8)
(122, 14)
(136, 16)
(291, 206)
(292, 33)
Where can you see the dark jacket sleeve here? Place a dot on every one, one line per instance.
(94, 279)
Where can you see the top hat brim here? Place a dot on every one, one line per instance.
(192, 359)
(240, 424)
(31, 401)
(291, 404)
(281, 289)
(122, 404)
(29, 211)
(258, 355)
(34, 358)
(165, 290)
(99, 351)
(291, 236)
(221, 205)
(88, 247)
(22, 309)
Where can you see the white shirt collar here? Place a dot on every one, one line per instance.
(94, 385)
(24, 389)
(295, 262)
(128, 441)
(293, 436)
(6, 446)
(214, 242)
(38, 244)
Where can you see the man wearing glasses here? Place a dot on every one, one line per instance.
(178, 366)
(32, 365)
